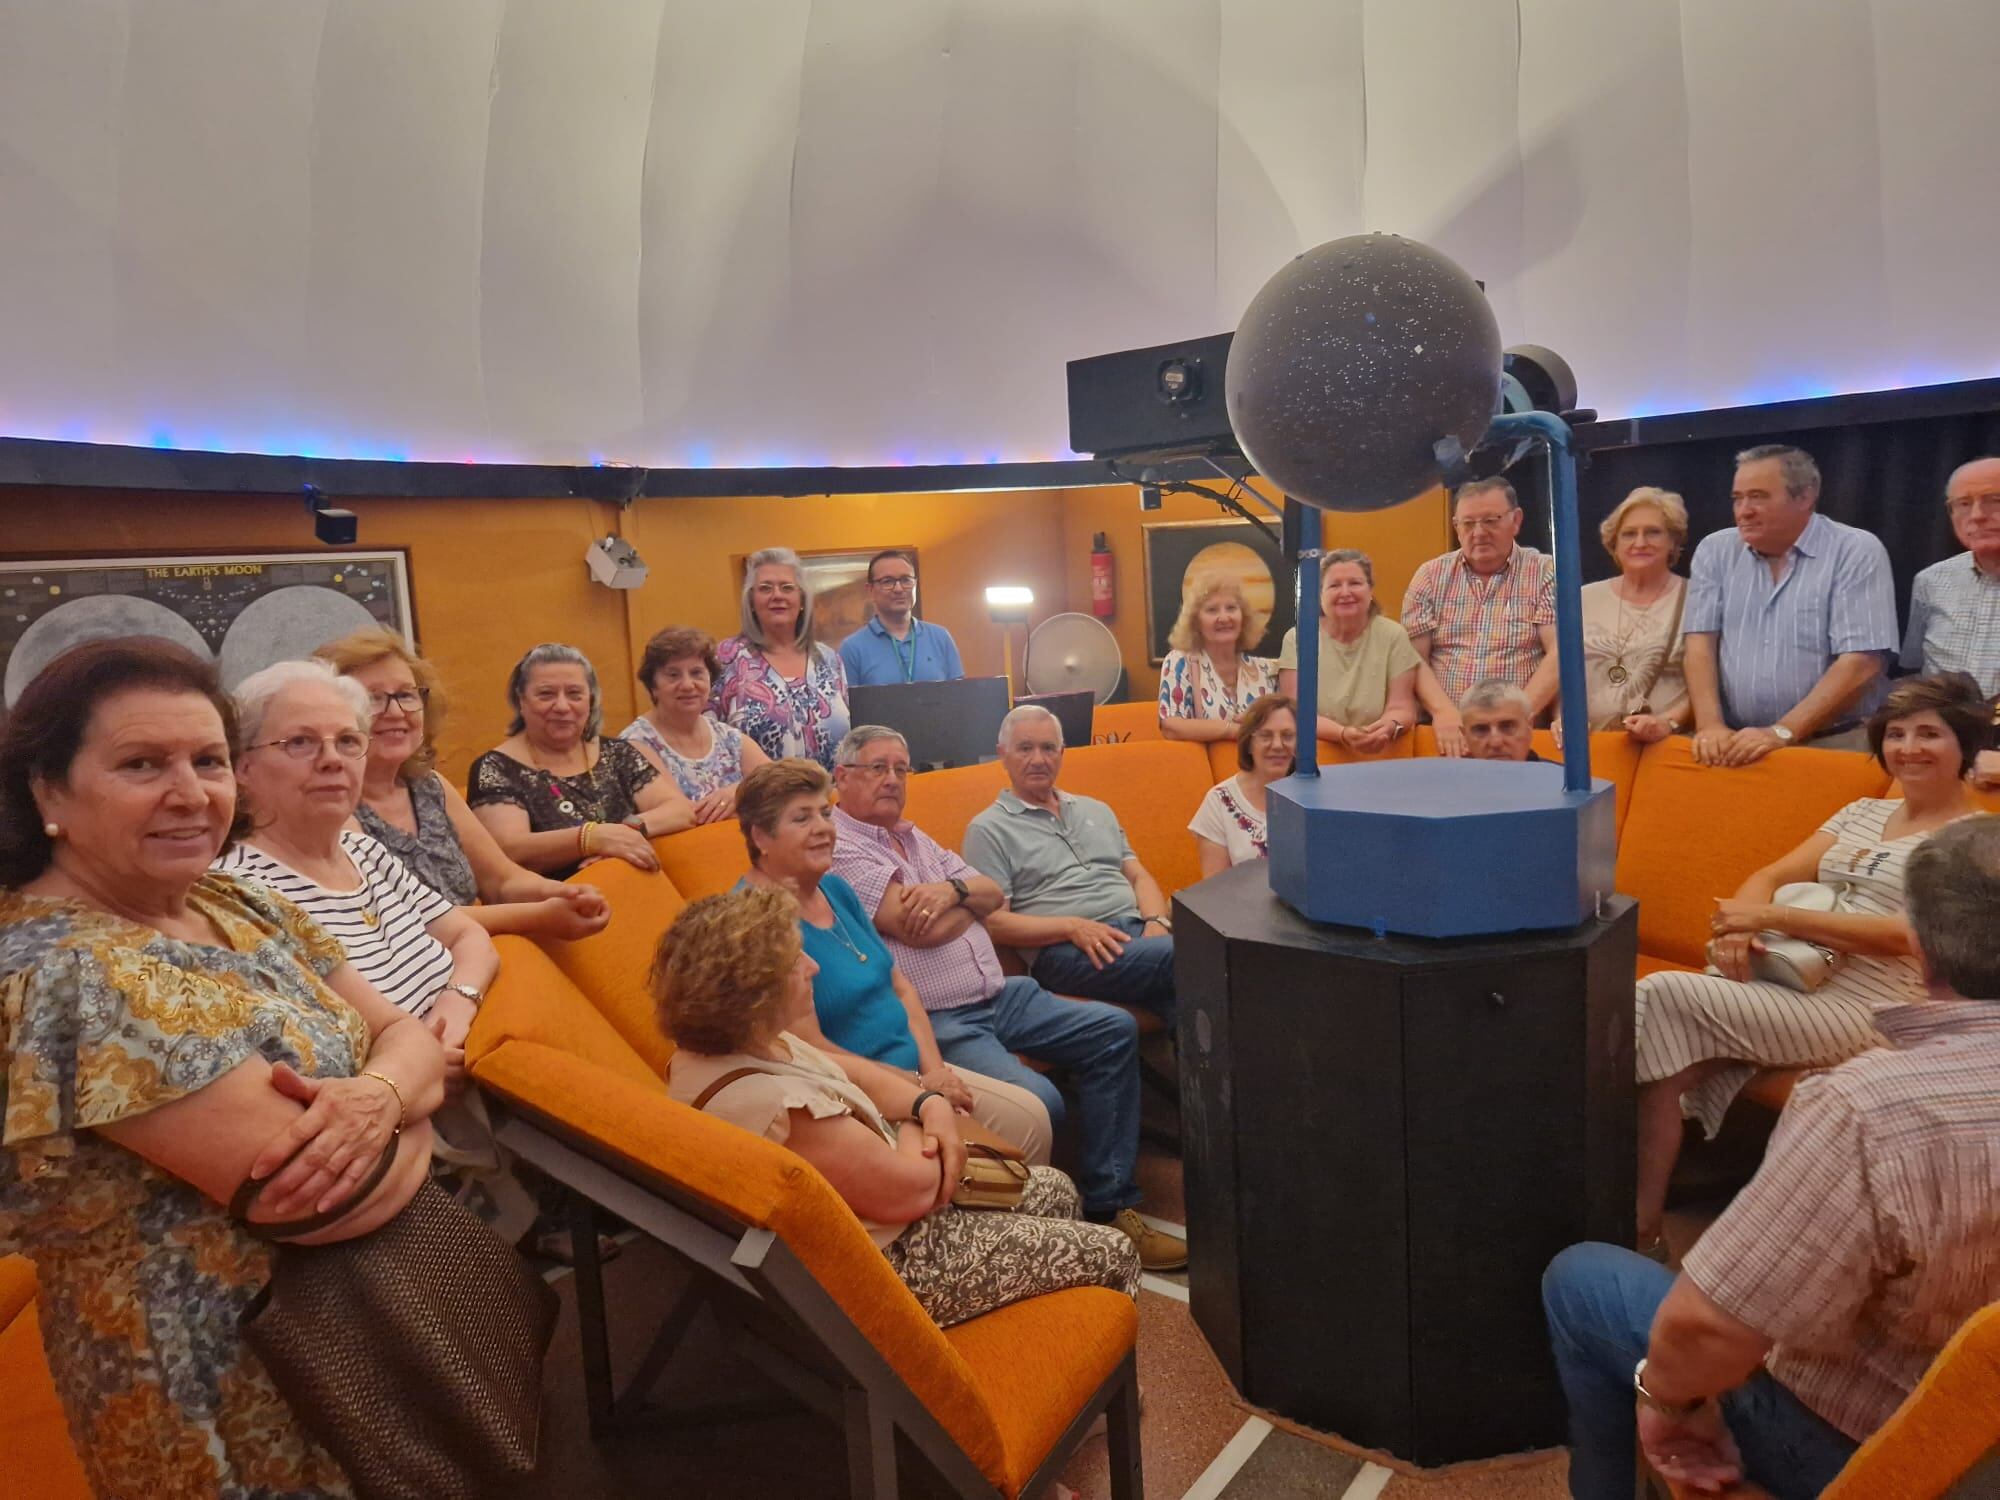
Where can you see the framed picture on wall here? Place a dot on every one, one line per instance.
(241, 611)
(1179, 551)
(838, 583)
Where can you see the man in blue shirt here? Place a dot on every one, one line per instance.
(1790, 619)
(895, 646)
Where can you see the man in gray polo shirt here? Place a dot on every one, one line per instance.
(1076, 895)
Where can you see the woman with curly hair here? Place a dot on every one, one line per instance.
(732, 979)
(1209, 680)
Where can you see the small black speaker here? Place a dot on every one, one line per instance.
(1162, 402)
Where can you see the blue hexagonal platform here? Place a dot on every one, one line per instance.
(1438, 848)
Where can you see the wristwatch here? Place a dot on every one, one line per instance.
(1674, 1409)
(1784, 734)
(471, 992)
(964, 890)
(1163, 920)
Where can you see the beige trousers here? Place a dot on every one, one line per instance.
(1012, 1113)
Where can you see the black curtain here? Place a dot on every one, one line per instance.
(1885, 477)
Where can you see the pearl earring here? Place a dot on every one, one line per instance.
(52, 829)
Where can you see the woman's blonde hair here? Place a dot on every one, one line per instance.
(719, 972)
(762, 796)
(363, 648)
(1673, 510)
(1197, 591)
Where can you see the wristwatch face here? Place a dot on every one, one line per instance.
(1782, 733)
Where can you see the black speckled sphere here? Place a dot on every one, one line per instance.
(1353, 362)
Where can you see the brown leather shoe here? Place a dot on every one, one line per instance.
(1157, 1251)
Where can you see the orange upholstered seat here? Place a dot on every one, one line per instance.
(1125, 723)
(1695, 832)
(36, 1458)
(705, 860)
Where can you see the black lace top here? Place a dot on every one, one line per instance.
(607, 793)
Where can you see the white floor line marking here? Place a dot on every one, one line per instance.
(1368, 1484)
(1151, 1283)
(1235, 1454)
(1165, 1226)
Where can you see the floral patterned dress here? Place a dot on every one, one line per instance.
(142, 1277)
(805, 717)
(1190, 688)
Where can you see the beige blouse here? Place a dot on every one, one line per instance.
(1631, 653)
(763, 1105)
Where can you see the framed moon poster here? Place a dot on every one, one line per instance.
(1177, 552)
(241, 612)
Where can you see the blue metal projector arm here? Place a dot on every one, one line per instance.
(1551, 430)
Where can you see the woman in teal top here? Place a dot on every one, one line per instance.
(863, 1004)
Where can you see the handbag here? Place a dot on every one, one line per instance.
(995, 1174)
(413, 1353)
(1793, 962)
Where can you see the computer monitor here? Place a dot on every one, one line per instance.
(947, 723)
(1073, 711)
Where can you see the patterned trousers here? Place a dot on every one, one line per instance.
(962, 1262)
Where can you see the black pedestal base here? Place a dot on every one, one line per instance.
(1386, 1141)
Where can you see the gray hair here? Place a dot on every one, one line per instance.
(1952, 888)
(255, 693)
(1495, 692)
(860, 737)
(776, 557)
(549, 654)
(1497, 485)
(1027, 711)
(1801, 473)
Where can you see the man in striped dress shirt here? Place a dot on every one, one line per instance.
(1813, 1306)
(1790, 619)
(1955, 604)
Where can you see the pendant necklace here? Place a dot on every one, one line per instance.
(840, 932)
(565, 804)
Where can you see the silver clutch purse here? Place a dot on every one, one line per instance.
(1794, 962)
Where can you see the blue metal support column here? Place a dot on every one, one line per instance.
(1551, 430)
(1305, 611)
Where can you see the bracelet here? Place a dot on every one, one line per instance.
(402, 1111)
(917, 1104)
(583, 839)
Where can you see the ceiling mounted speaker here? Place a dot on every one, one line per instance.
(1073, 653)
(1362, 371)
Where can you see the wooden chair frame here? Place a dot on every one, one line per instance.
(779, 1319)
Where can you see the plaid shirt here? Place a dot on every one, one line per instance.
(1955, 622)
(1482, 627)
(1872, 1230)
(963, 971)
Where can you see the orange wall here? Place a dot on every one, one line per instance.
(493, 577)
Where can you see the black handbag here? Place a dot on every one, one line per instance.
(413, 1353)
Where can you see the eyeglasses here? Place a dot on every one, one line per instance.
(349, 744)
(895, 581)
(1965, 505)
(1266, 738)
(1479, 523)
(766, 590)
(409, 700)
(880, 768)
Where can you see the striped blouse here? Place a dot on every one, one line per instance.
(383, 923)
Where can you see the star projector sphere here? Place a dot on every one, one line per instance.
(1353, 363)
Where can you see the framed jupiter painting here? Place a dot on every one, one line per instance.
(1178, 552)
(241, 611)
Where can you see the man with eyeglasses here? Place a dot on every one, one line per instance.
(1487, 610)
(931, 908)
(895, 646)
(1955, 604)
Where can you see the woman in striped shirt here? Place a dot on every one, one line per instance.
(1702, 1036)
(305, 743)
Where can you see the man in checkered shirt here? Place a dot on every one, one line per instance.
(1955, 604)
(930, 907)
(1486, 611)
(1813, 1306)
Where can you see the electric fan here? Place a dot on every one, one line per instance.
(1073, 653)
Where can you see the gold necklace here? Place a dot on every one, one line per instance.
(839, 930)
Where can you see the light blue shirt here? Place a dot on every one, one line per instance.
(875, 658)
(1072, 865)
(1955, 622)
(1777, 639)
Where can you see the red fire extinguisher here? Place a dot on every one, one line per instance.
(1103, 600)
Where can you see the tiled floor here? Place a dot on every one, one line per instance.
(1198, 1441)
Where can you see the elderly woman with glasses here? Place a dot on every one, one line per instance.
(1229, 827)
(304, 746)
(557, 793)
(784, 689)
(1632, 643)
(420, 817)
